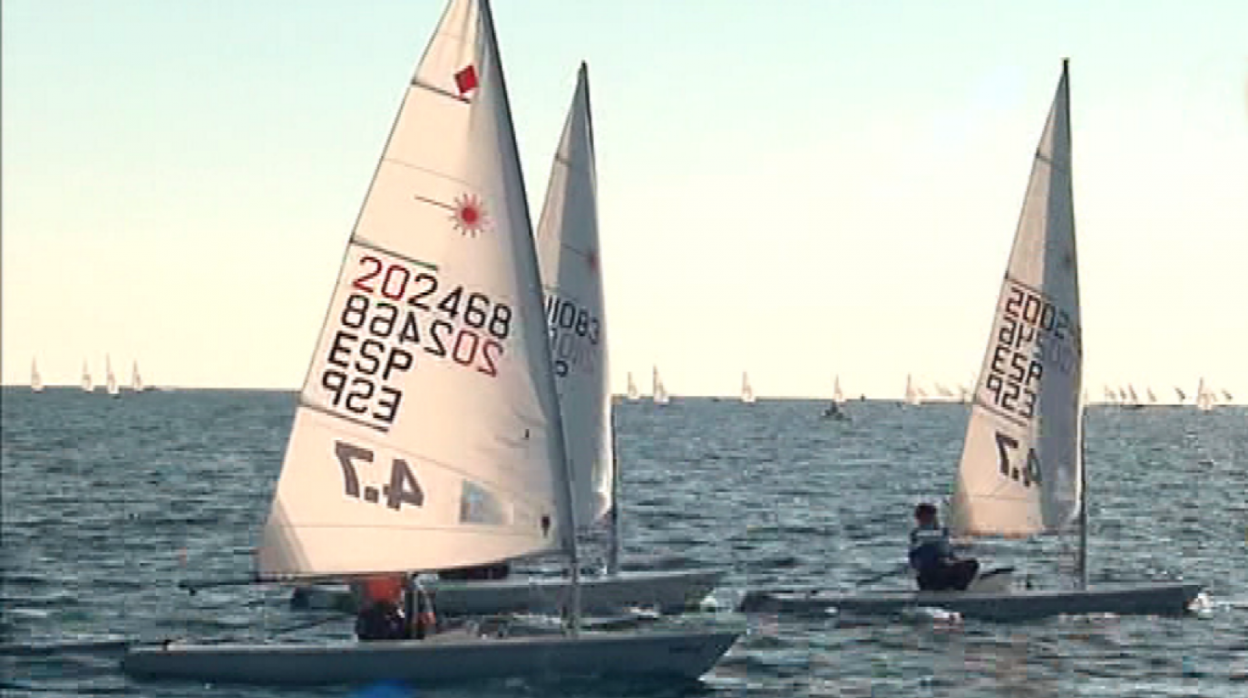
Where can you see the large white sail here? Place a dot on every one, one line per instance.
(428, 432)
(570, 262)
(1021, 463)
(36, 381)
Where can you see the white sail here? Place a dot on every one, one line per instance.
(659, 392)
(428, 434)
(837, 395)
(1021, 463)
(1179, 392)
(1204, 397)
(87, 384)
(110, 379)
(36, 381)
(747, 392)
(913, 394)
(568, 254)
(1152, 397)
(633, 393)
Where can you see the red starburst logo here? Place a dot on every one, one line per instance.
(469, 217)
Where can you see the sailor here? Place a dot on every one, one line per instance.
(932, 556)
(381, 616)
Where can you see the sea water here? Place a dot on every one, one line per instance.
(107, 503)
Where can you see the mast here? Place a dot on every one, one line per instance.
(1083, 500)
(1083, 419)
(613, 553)
(570, 542)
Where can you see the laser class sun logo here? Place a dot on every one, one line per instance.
(469, 216)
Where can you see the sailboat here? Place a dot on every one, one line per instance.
(747, 392)
(1179, 392)
(834, 409)
(36, 381)
(569, 261)
(457, 458)
(1133, 399)
(87, 384)
(659, 392)
(110, 380)
(136, 379)
(1021, 472)
(913, 393)
(1204, 397)
(633, 394)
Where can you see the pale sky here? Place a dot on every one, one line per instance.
(797, 188)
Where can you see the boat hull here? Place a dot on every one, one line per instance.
(1030, 604)
(668, 591)
(665, 655)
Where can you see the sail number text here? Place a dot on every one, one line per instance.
(574, 335)
(402, 488)
(1034, 337)
(393, 316)
(1028, 472)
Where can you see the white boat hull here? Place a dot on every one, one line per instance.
(1028, 604)
(682, 655)
(668, 591)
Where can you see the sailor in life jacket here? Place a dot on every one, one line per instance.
(932, 556)
(381, 615)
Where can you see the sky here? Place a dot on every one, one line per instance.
(800, 188)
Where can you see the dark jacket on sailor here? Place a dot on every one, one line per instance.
(381, 621)
(929, 545)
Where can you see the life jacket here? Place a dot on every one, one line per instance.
(384, 589)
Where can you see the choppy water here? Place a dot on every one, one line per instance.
(107, 503)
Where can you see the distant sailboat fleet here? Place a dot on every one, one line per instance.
(86, 383)
(919, 391)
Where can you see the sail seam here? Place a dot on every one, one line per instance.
(995, 412)
(378, 248)
(358, 422)
(417, 82)
(431, 172)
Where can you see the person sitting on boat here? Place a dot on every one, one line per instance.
(381, 616)
(932, 556)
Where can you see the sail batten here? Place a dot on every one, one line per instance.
(1020, 473)
(428, 434)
